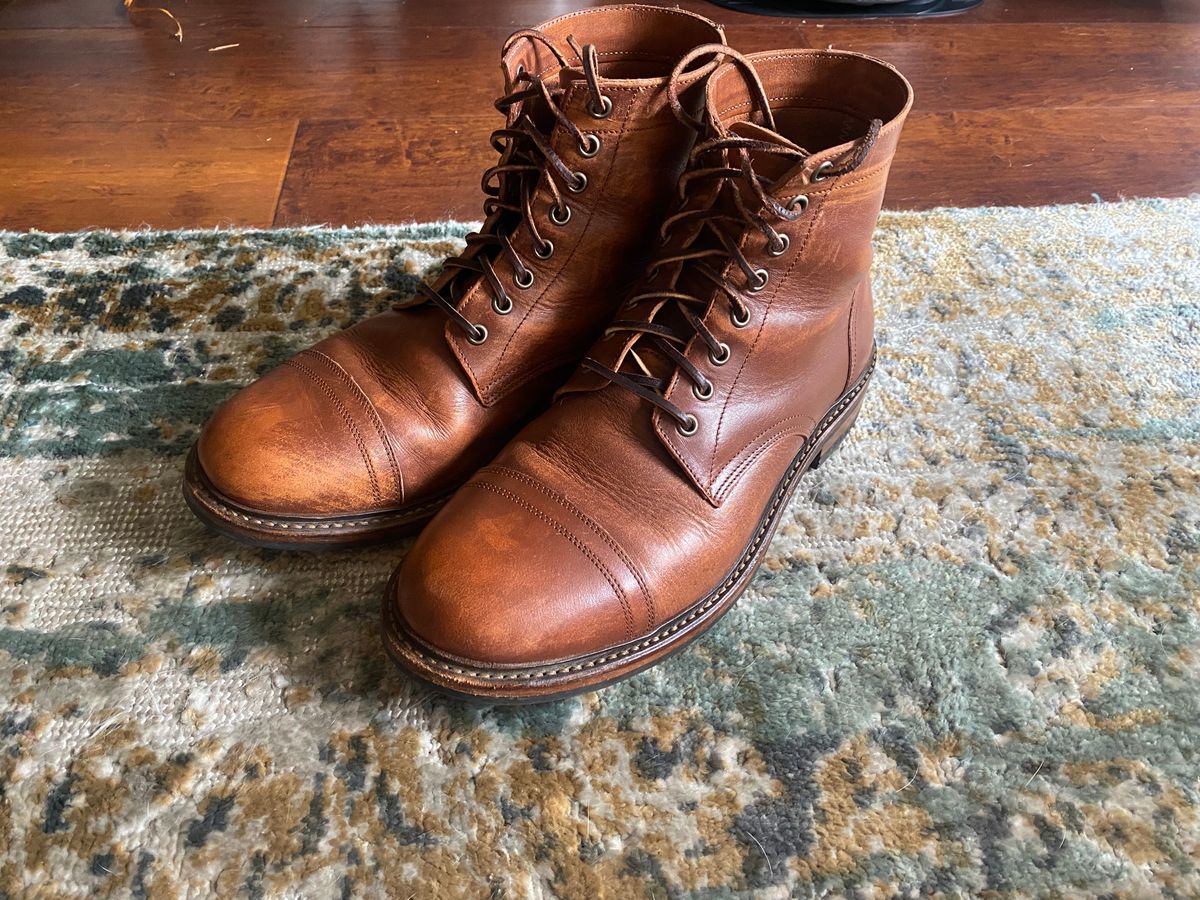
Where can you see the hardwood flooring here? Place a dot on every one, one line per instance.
(350, 111)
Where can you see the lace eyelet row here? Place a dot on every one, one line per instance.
(705, 391)
(560, 214)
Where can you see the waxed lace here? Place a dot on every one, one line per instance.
(510, 185)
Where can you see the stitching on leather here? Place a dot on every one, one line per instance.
(774, 426)
(802, 245)
(793, 472)
(563, 531)
(752, 457)
(497, 382)
(224, 508)
(372, 412)
(818, 54)
(348, 419)
(712, 462)
(824, 103)
(685, 15)
(592, 524)
(865, 175)
(844, 181)
(730, 478)
(681, 457)
(557, 362)
(853, 311)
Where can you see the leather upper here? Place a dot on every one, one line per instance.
(403, 406)
(602, 520)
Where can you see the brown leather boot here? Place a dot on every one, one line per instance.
(366, 434)
(623, 522)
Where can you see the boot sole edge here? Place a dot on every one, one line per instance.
(257, 529)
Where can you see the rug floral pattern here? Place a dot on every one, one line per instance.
(970, 665)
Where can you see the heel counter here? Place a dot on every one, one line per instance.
(861, 330)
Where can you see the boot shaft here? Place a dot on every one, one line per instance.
(756, 315)
(807, 329)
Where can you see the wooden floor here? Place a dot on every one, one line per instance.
(348, 111)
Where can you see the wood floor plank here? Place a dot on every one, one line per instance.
(1034, 157)
(166, 175)
(384, 171)
(107, 123)
(324, 74)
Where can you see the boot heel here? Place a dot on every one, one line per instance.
(836, 434)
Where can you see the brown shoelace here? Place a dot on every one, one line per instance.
(509, 186)
(701, 238)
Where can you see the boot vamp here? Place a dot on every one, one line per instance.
(374, 418)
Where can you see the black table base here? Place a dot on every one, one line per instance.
(857, 9)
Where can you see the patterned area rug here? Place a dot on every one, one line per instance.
(969, 666)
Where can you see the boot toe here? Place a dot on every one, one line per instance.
(293, 444)
(501, 579)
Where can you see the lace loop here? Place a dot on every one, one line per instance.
(720, 52)
(599, 106)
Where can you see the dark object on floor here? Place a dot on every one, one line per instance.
(822, 9)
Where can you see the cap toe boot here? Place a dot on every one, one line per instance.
(366, 434)
(622, 523)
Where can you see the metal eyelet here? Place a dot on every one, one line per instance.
(478, 336)
(564, 211)
(505, 309)
(819, 172)
(579, 183)
(544, 252)
(799, 202)
(782, 247)
(524, 282)
(605, 110)
(590, 146)
(722, 356)
(763, 277)
(520, 69)
(742, 321)
(704, 393)
(688, 426)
